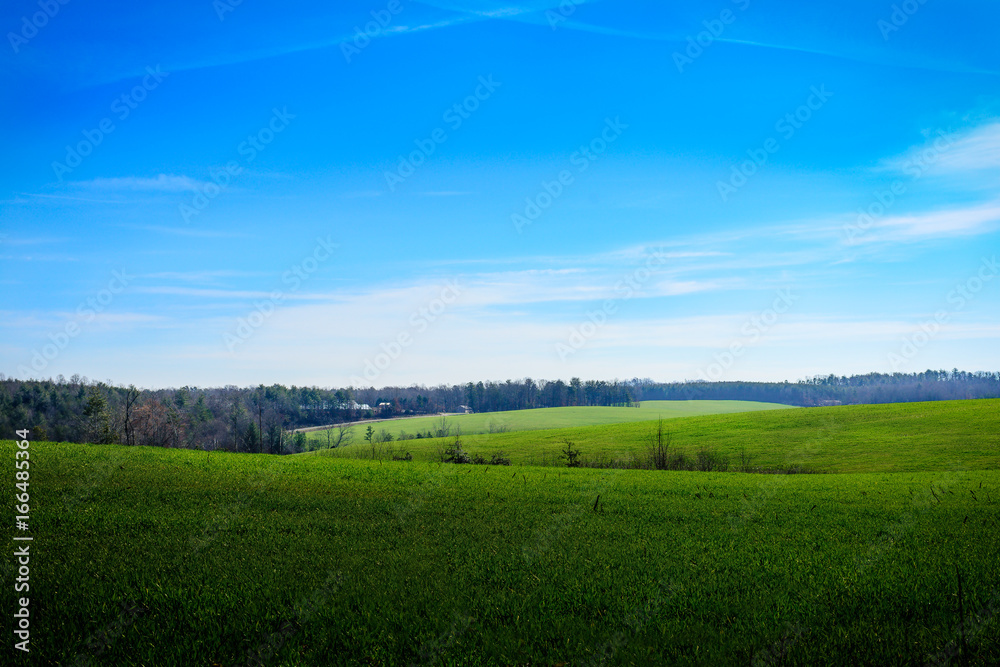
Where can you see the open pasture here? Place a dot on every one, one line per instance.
(897, 437)
(174, 557)
(546, 418)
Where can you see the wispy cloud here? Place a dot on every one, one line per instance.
(936, 224)
(877, 57)
(498, 10)
(160, 183)
(977, 149)
(190, 231)
(201, 276)
(87, 199)
(855, 54)
(227, 293)
(974, 149)
(363, 194)
(7, 239)
(240, 57)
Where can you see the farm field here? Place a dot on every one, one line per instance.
(150, 556)
(896, 437)
(544, 418)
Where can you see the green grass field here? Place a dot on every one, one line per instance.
(898, 437)
(149, 556)
(544, 418)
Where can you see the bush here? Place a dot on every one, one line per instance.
(659, 448)
(496, 459)
(571, 455)
(455, 454)
(707, 461)
(499, 459)
(497, 427)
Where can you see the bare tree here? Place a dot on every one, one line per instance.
(443, 430)
(258, 400)
(340, 436)
(131, 396)
(497, 427)
(659, 448)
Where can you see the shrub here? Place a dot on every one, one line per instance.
(455, 454)
(499, 459)
(497, 427)
(707, 460)
(571, 455)
(659, 448)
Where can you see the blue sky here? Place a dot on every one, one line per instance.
(217, 193)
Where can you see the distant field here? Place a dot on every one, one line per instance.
(542, 418)
(899, 437)
(173, 557)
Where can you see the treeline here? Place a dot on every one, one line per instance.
(834, 390)
(262, 419)
(255, 419)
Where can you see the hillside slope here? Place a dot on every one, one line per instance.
(900, 437)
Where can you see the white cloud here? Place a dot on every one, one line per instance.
(190, 231)
(946, 153)
(160, 183)
(968, 221)
(330, 343)
(226, 294)
(977, 148)
(446, 193)
(202, 276)
(7, 239)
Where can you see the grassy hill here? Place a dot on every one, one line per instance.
(899, 437)
(173, 557)
(544, 418)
